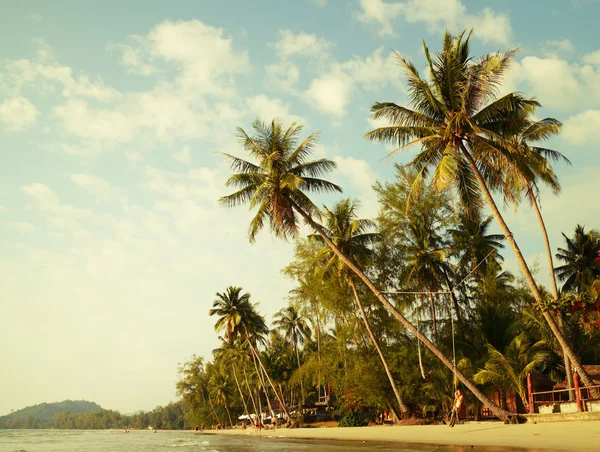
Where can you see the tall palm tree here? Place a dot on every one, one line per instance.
(295, 329)
(464, 131)
(277, 184)
(238, 317)
(580, 267)
(352, 237)
(532, 165)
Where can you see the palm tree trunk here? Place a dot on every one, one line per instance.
(283, 407)
(301, 380)
(567, 361)
(403, 408)
(526, 272)
(262, 382)
(256, 411)
(433, 319)
(240, 391)
(229, 416)
(453, 297)
(497, 411)
(212, 408)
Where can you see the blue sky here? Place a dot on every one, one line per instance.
(112, 118)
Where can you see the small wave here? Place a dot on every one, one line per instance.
(184, 443)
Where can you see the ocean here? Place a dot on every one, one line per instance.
(184, 441)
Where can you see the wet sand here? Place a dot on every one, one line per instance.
(566, 436)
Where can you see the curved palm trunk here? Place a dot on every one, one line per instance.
(262, 384)
(240, 391)
(280, 400)
(229, 416)
(212, 407)
(256, 411)
(497, 411)
(525, 269)
(403, 408)
(536, 208)
(302, 396)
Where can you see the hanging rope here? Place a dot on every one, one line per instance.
(419, 346)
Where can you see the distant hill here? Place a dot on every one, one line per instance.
(45, 411)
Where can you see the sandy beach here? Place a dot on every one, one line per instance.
(566, 436)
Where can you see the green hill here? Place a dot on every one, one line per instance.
(45, 411)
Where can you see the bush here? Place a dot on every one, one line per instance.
(353, 419)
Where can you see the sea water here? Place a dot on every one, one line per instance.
(184, 441)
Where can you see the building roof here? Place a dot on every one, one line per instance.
(593, 371)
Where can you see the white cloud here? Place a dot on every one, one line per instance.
(63, 216)
(437, 15)
(25, 227)
(558, 46)
(99, 187)
(205, 56)
(17, 113)
(582, 128)
(331, 92)
(592, 58)
(375, 71)
(45, 74)
(266, 109)
(283, 75)
(556, 82)
(360, 175)
(184, 155)
(301, 44)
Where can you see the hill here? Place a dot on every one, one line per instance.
(45, 411)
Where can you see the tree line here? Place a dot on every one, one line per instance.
(393, 313)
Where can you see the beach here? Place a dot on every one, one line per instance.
(566, 436)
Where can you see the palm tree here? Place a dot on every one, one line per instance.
(531, 164)
(464, 131)
(479, 248)
(238, 317)
(426, 266)
(277, 184)
(580, 267)
(295, 330)
(352, 238)
(509, 370)
(220, 389)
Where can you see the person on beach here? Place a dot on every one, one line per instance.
(458, 401)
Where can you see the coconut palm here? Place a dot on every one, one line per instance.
(508, 369)
(220, 389)
(479, 249)
(276, 185)
(238, 317)
(579, 257)
(352, 237)
(295, 329)
(464, 131)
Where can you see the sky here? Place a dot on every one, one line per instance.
(113, 118)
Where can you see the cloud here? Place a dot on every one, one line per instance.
(205, 56)
(582, 128)
(375, 71)
(184, 155)
(65, 217)
(266, 109)
(556, 82)
(24, 227)
(331, 92)
(437, 16)
(17, 113)
(301, 44)
(283, 76)
(43, 73)
(99, 187)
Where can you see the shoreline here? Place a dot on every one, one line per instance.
(556, 436)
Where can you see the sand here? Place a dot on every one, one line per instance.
(566, 436)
